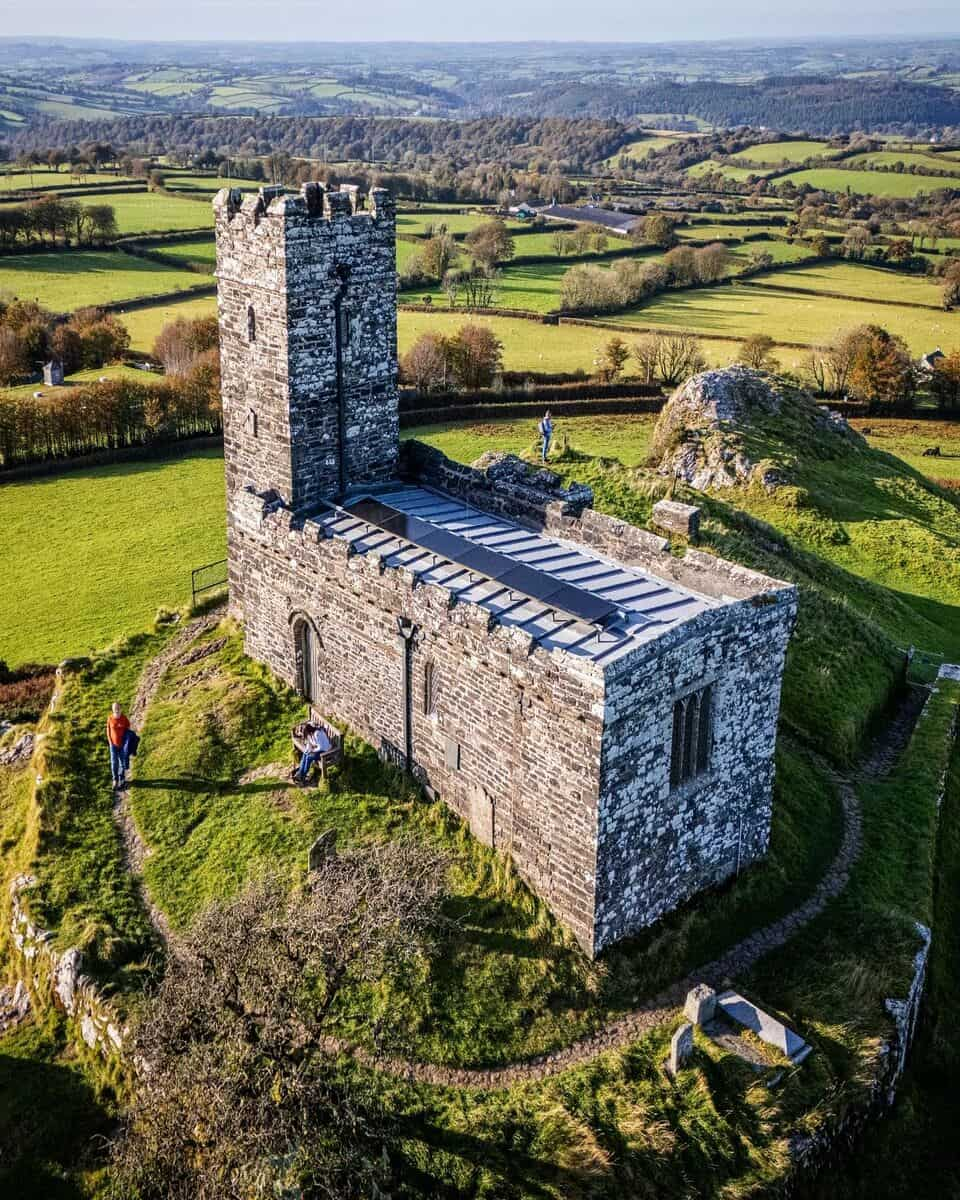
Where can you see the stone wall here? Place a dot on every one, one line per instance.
(307, 309)
(514, 743)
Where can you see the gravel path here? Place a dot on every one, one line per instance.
(878, 760)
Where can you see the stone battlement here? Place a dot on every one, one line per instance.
(314, 203)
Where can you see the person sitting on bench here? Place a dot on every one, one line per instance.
(316, 745)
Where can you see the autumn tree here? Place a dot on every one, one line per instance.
(491, 243)
(438, 255)
(179, 343)
(240, 1092)
(611, 359)
(426, 365)
(945, 383)
(882, 371)
(476, 356)
(951, 286)
(756, 351)
(659, 230)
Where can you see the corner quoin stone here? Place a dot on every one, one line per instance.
(566, 763)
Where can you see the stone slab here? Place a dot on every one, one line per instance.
(768, 1029)
(681, 1048)
(700, 1005)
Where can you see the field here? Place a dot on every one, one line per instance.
(107, 578)
(143, 324)
(78, 379)
(127, 537)
(727, 170)
(153, 212)
(858, 281)
(208, 184)
(865, 183)
(76, 278)
(15, 181)
(640, 148)
(785, 316)
(890, 158)
(454, 222)
(774, 153)
(197, 250)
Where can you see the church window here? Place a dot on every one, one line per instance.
(692, 735)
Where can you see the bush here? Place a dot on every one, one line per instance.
(25, 693)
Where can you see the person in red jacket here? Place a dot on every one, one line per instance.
(117, 728)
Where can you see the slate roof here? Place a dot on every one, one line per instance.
(620, 222)
(644, 605)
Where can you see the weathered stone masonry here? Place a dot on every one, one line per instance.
(624, 765)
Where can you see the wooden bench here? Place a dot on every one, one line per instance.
(299, 735)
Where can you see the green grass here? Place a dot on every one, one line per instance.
(774, 153)
(143, 324)
(727, 170)
(455, 222)
(127, 537)
(864, 183)
(889, 158)
(11, 181)
(740, 311)
(858, 281)
(79, 379)
(155, 212)
(197, 251)
(76, 278)
(207, 184)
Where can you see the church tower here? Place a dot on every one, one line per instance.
(306, 288)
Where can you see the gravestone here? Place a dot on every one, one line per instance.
(323, 848)
(681, 1048)
(701, 1004)
(767, 1028)
(53, 373)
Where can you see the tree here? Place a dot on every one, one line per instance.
(438, 255)
(855, 244)
(181, 342)
(678, 357)
(899, 250)
(820, 245)
(756, 351)
(611, 359)
(645, 352)
(882, 371)
(951, 286)
(491, 243)
(711, 262)
(479, 286)
(476, 355)
(658, 230)
(102, 221)
(240, 1095)
(945, 383)
(426, 365)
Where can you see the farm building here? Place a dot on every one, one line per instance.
(599, 708)
(614, 222)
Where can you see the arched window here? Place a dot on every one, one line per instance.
(430, 689)
(251, 324)
(692, 736)
(308, 647)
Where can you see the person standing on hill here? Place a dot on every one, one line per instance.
(545, 429)
(117, 729)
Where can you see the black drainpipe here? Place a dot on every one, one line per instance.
(407, 629)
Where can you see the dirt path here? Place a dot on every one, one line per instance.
(135, 850)
(878, 760)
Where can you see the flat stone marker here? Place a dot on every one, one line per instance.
(323, 848)
(681, 1047)
(768, 1029)
(701, 1004)
(677, 518)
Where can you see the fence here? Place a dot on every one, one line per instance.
(206, 578)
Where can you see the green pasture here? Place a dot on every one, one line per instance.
(772, 154)
(640, 148)
(20, 181)
(79, 379)
(209, 184)
(154, 212)
(858, 281)
(727, 170)
(143, 324)
(908, 440)
(77, 278)
(454, 222)
(890, 158)
(97, 550)
(864, 183)
(788, 317)
(196, 250)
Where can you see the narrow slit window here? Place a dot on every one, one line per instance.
(251, 324)
(430, 690)
(692, 736)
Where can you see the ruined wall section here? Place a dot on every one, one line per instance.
(307, 290)
(659, 845)
(514, 743)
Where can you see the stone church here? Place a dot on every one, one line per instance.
(597, 707)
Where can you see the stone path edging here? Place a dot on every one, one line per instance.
(621, 1031)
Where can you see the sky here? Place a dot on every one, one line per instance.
(467, 20)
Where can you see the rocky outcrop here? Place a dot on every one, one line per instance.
(738, 427)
